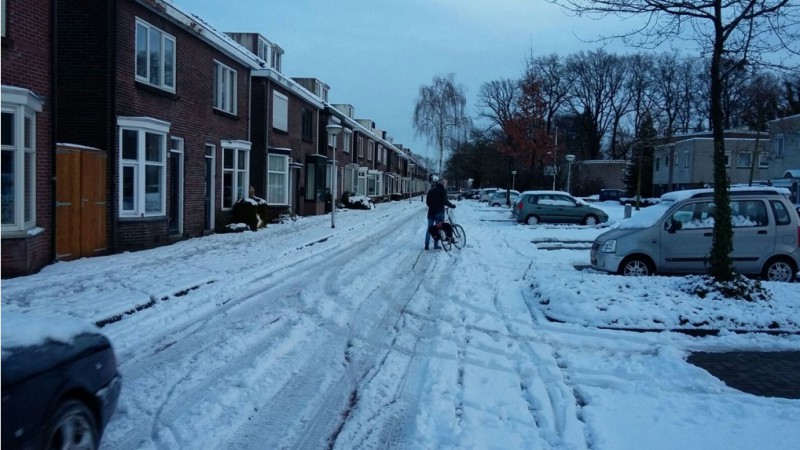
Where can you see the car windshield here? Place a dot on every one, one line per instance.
(645, 218)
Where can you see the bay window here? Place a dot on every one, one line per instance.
(18, 135)
(142, 167)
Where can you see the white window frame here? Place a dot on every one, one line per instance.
(239, 171)
(279, 195)
(24, 105)
(332, 140)
(778, 145)
(165, 39)
(264, 49)
(360, 147)
(749, 161)
(727, 159)
(226, 88)
(763, 159)
(280, 111)
(348, 139)
(176, 146)
(275, 60)
(370, 150)
(142, 126)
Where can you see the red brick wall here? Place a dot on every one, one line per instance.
(26, 60)
(189, 111)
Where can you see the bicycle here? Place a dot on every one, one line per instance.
(448, 233)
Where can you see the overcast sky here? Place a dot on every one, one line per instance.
(375, 54)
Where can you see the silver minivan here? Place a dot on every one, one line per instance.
(674, 236)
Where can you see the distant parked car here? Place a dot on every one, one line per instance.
(534, 207)
(611, 195)
(486, 194)
(675, 235)
(58, 395)
(500, 198)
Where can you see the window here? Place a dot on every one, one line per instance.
(744, 159)
(275, 61)
(280, 111)
(332, 141)
(727, 159)
(763, 159)
(675, 159)
(370, 150)
(308, 124)
(264, 50)
(18, 134)
(348, 141)
(658, 164)
(777, 146)
(278, 179)
(748, 213)
(155, 56)
(225, 87)
(311, 185)
(686, 159)
(142, 167)
(360, 147)
(235, 173)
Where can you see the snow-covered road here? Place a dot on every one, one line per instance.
(361, 340)
(302, 336)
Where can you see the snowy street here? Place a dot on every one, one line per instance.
(301, 336)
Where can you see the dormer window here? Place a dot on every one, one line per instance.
(275, 61)
(264, 50)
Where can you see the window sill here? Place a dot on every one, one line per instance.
(156, 90)
(222, 113)
(22, 234)
(129, 219)
(279, 131)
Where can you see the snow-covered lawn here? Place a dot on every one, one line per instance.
(304, 336)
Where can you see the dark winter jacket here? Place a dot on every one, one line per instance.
(437, 200)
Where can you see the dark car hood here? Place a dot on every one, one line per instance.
(21, 363)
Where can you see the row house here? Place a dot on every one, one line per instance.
(27, 142)
(687, 162)
(134, 124)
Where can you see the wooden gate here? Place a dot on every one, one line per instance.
(80, 202)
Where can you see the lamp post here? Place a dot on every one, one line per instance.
(333, 129)
(570, 159)
(513, 179)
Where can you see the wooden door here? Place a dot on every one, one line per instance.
(80, 202)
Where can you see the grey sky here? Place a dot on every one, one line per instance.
(375, 54)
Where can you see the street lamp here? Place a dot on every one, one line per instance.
(513, 178)
(570, 159)
(333, 129)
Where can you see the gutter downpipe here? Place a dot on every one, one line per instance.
(53, 125)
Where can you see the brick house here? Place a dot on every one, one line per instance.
(166, 104)
(27, 142)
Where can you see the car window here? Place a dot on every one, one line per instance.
(748, 213)
(781, 214)
(695, 215)
(561, 200)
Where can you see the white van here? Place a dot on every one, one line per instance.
(674, 236)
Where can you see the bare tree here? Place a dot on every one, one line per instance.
(598, 79)
(548, 72)
(739, 31)
(440, 113)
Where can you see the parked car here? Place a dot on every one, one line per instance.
(534, 207)
(610, 195)
(674, 236)
(486, 194)
(501, 198)
(453, 194)
(57, 394)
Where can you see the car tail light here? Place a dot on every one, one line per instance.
(519, 204)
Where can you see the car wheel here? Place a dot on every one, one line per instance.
(532, 220)
(636, 266)
(779, 270)
(73, 428)
(590, 220)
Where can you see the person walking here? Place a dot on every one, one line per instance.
(436, 201)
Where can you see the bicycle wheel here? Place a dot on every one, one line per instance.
(444, 241)
(459, 236)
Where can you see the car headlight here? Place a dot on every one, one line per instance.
(609, 246)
